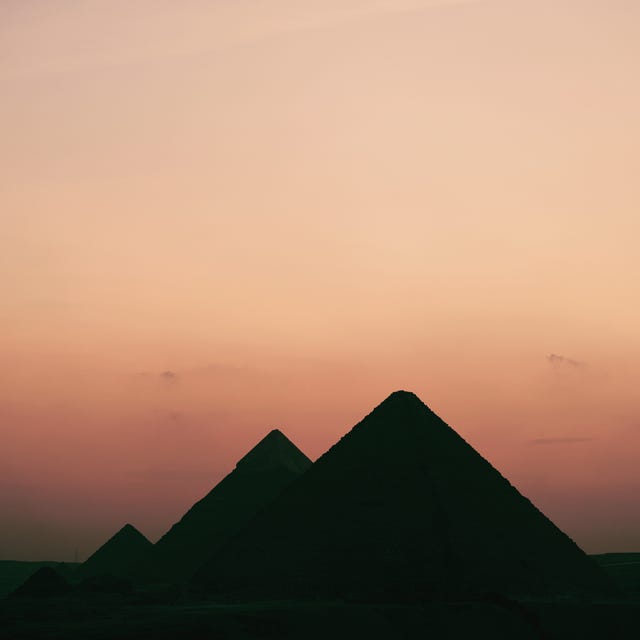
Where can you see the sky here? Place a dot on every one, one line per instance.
(219, 218)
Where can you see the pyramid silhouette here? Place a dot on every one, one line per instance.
(258, 478)
(401, 507)
(119, 555)
(46, 582)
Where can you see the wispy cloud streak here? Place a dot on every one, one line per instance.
(551, 441)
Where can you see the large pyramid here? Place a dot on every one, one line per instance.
(401, 507)
(119, 555)
(257, 479)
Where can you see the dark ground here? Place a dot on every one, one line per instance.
(114, 618)
(166, 613)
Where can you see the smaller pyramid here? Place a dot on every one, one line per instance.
(258, 478)
(119, 555)
(46, 582)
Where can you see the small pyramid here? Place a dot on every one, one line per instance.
(119, 555)
(257, 479)
(46, 582)
(401, 507)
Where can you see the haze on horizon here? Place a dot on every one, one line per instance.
(219, 218)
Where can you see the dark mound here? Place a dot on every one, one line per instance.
(400, 508)
(13, 573)
(46, 582)
(119, 555)
(258, 478)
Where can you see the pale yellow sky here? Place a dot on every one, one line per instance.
(299, 207)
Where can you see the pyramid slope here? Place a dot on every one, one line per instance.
(119, 555)
(258, 478)
(400, 505)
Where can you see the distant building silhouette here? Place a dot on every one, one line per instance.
(46, 582)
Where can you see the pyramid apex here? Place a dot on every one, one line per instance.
(275, 433)
(402, 400)
(129, 530)
(274, 450)
(405, 396)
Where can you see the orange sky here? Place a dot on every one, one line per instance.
(298, 208)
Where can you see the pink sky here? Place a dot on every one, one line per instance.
(298, 208)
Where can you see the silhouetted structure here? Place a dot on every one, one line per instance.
(46, 582)
(119, 556)
(257, 479)
(14, 573)
(400, 508)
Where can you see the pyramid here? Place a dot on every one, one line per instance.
(400, 508)
(257, 479)
(46, 582)
(119, 555)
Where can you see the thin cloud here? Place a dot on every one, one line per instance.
(557, 361)
(546, 441)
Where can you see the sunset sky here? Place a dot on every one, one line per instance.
(218, 217)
